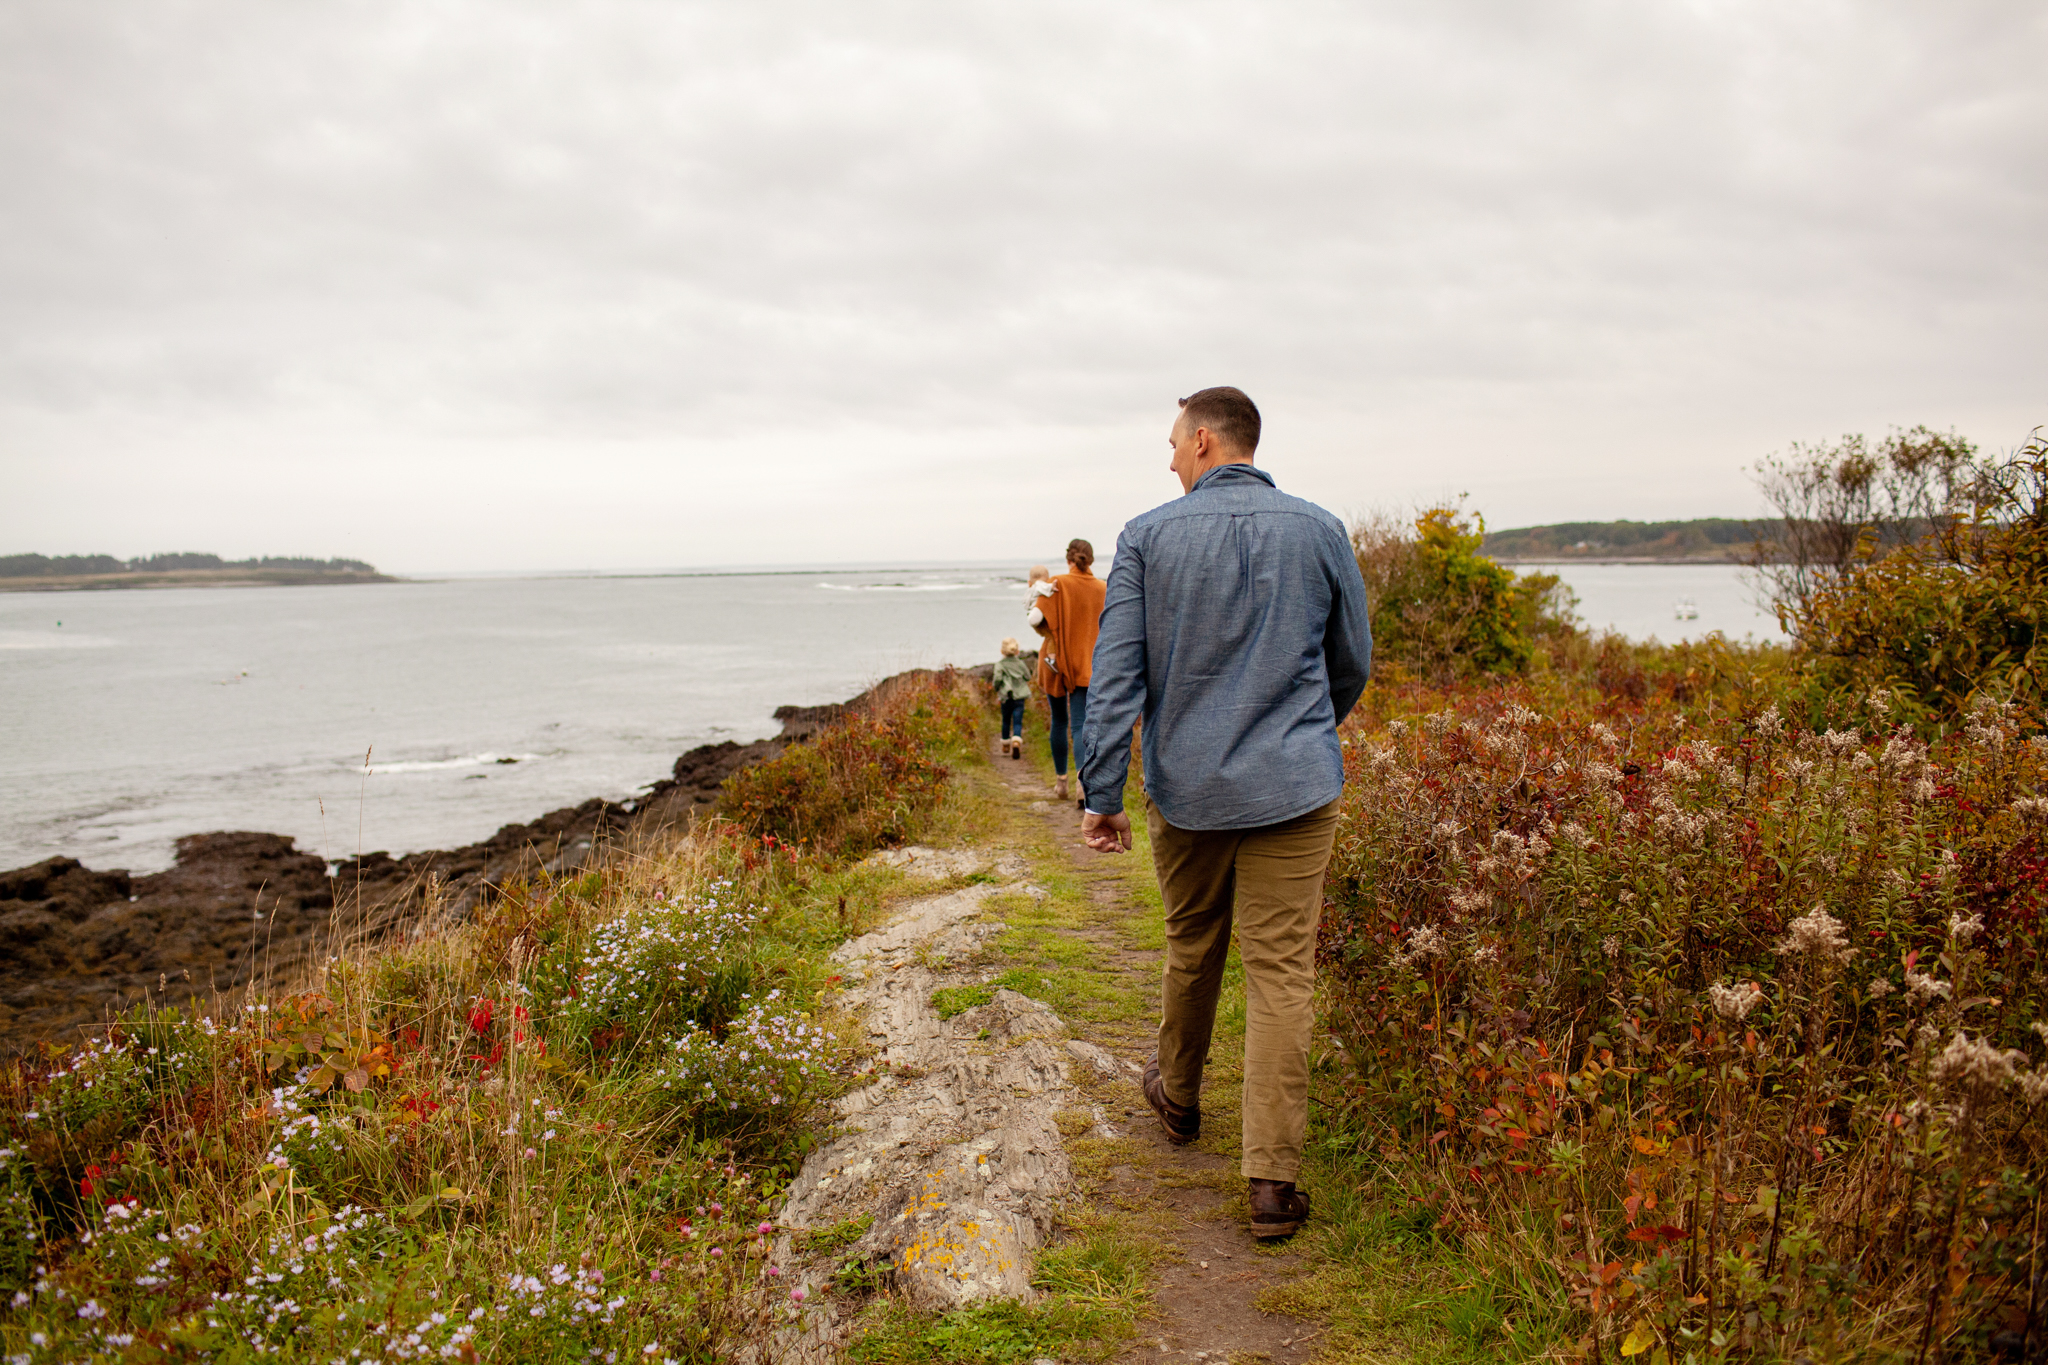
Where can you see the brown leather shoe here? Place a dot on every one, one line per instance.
(1182, 1124)
(1278, 1209)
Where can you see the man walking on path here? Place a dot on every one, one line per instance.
(1235, 626)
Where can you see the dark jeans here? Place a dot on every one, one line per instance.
(1075, 702)
(1013, 716)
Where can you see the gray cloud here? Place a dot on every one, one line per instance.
(491, 285)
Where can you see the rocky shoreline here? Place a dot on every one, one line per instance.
(242, 907)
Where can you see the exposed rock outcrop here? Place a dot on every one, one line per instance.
(79, 943)
(953, 1150)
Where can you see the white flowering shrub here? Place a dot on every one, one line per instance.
(683, 961)
(99, 1086)
(71, 1116)
(766, 1070)
(176, 1050)
(307, 1141)
(353, 1284)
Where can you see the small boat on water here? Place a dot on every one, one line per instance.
(1684, 610)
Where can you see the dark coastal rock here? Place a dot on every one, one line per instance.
(710, 764)
(79, 942)
(801, 722)
(243, 907)
(62, 886)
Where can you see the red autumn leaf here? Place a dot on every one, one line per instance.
(1666, 1232)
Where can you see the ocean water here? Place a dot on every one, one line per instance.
(130, 718)
(150, 714)
(1641, 600)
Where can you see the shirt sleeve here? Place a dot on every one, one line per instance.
(1347, 636)
(1116, 691)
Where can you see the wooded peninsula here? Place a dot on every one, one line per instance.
(1703, 540)
(55, 573)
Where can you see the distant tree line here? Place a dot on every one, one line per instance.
(1701, 538)
(49, 566)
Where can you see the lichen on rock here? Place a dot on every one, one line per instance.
(953, 1149)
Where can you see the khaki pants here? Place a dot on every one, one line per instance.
(1270, 879)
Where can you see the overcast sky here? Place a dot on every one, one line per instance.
(452, 285)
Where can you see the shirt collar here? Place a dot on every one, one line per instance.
(1237, 469)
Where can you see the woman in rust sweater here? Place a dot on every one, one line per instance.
(1068, 620)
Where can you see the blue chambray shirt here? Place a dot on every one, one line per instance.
(1235, 625)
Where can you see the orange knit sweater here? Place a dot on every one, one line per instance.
(1072, 616)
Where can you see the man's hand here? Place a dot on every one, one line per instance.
(1107, 833)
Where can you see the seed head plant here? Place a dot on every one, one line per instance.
(1722, 1031)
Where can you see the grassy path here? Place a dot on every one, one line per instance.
(1158, 1265)
(1092, 949)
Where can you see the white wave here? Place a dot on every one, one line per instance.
(899, 587)
(432, 765)
(43, 639)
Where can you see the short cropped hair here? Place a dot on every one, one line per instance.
(1009, 646)
(1080, 552)
(1229, 413)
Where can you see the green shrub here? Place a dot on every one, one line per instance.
(63, 1140)
(1845, 503)
(1441, 609)
(869, 781)
(1954, 613)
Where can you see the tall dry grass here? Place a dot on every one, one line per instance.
(1706, 1037)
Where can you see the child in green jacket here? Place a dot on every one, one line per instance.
(1013, 690)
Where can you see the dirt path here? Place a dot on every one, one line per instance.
(1190, 1201)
